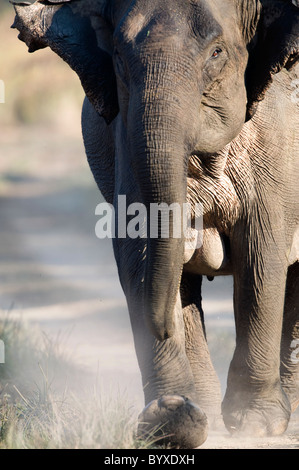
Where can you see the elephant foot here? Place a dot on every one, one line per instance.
(174, 421)
(260, 417)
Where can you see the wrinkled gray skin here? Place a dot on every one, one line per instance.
(194, 101)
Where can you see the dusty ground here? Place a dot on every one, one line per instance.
(57, 274)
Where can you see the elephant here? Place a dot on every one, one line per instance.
(194, 102)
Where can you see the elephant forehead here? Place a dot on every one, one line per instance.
(134, 25)
(175, 20)
(154, 25)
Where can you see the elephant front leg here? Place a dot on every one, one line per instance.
(171, 413)
(255, 403)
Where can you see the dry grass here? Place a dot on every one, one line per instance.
(42, 407)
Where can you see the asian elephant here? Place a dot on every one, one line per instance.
(195, 101)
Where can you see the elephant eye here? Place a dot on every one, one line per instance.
(216, 53)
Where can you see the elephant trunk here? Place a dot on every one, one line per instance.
(160, 166)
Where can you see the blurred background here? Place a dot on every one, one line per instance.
(55, 275)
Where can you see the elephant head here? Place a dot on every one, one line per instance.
(183, 77)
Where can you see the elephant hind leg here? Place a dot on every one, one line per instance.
(290, 338)
(206, 382)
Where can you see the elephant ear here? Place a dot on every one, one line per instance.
(274, 47)
(66, 27)
(249, 12)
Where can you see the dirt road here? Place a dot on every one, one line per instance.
(57, 274)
